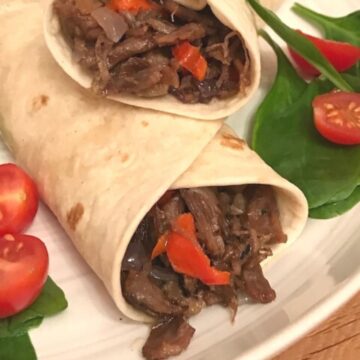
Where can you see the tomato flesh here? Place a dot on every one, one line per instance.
(341, 55)
(24, 263)
(18, 199)
(337, 117)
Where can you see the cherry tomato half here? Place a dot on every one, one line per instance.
(341, 55)
(18, 199)
(337, 117)
(24, 263)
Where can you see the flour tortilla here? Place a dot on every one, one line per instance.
(101, 165)
(234, 14)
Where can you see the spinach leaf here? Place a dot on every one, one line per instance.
(345, 29)
(50, 302)
(15, 343)
(302, 45)
(331, 210)
(285, 137)
(17, 348)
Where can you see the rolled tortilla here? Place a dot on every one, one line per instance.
(234, 14)
(100, 165)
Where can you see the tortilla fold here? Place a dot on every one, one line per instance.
(101, 165)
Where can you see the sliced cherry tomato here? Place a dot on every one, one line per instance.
(131, 5)
(337, 117)
(24, 263)
(191, 59)
(341, 55)
(18, 199)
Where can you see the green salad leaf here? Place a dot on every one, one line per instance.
(17, 348)
(337, 208)
(301, 45)
(285, 137)
(345, 29)
(15, 343)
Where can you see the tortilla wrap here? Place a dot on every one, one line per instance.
(234, 14)
(101, 165)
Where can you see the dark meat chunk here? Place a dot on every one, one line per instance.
(140, 247)
(209, 219)
(162, 26)
(130, 47)
(168, 338)
(256, 286)
(161, 223)
(263, 214)
(188, 32)
(174, 208)
(75, 18)
(84, 54)
(136, 75)
(185, 14)
(144, 294)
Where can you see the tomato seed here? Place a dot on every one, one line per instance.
(19, 246)
(337, 121)
(329, 106)
(357, 109)
(352, 106)
(6, 252)
(333, 113)
(9, 237)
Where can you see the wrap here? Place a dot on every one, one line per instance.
(101, 165)
(234, 14)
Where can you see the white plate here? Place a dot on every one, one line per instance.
(312, 278)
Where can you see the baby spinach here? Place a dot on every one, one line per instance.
(345, 29)
(336, 208)
(285, 137)
(15, 343)
(17, 348)
(301, 45)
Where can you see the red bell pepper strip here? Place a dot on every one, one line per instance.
(341, 55)
(185, 254)
(187, 257)
(131, 5)
(160, 247)
(191, 59)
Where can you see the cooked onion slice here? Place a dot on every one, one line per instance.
(113, 23)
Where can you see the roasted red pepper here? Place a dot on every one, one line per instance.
(131, 5)
(185, 254)
(190, 58)
(341, 55)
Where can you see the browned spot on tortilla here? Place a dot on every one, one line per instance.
(124, 157)
(39, 102)
(145, 123)
(232, 142)
(74, 215)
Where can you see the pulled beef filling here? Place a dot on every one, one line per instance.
(131, 52)
(235, 227)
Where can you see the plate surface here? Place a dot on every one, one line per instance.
(312, 277)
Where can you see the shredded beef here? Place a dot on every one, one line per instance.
(168, 338)
(257, 286)
(112, 46)
(235, 226)
(210, 221)
(143, 293)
